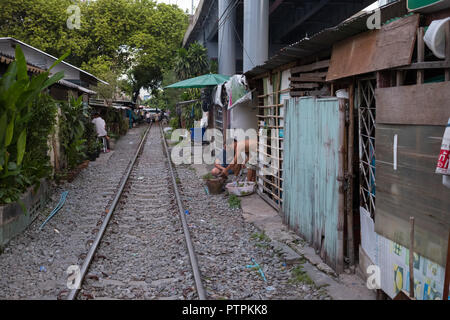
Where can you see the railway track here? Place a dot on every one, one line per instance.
(143, 249)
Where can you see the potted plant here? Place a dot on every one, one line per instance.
(92, 151)
(215, 184)
(112, 141)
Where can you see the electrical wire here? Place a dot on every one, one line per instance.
(242, 44)
(229, 13)
(220, 25)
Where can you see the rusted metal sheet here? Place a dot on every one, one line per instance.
(425, 104)
(407, 186)
(312, 194)
(389, 47)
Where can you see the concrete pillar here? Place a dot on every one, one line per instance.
(227, 37)
(256, 33)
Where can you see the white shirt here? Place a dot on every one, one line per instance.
(100, 126)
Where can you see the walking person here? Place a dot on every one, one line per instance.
(100, 126)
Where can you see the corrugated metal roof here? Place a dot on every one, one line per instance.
(75, 86)
(325, 39)
(6, 58)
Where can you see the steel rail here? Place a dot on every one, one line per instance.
(84, 269)
(192, 256)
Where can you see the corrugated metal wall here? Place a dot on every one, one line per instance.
(311, 187)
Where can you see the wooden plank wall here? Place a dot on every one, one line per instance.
(425, 104)
(309, 80)
(418, 116)
(413, 190)
(391, 46)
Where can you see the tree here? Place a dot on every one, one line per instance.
(139, 37)
(147, 77)
(188, 64)
(43, 24)
(192, 62)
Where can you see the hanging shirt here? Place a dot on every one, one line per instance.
(100, 126)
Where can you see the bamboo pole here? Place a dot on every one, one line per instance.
(447, 49)
(341, 196)
(411, 259)
(351, 128)
(420, 54)
(447, 271)
(277, 123)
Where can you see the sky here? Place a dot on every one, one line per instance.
(187, 4)
(184, 4)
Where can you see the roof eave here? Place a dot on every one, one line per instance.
(52, 57)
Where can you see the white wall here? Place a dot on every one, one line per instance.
(243, 116)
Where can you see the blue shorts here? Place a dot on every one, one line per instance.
(226, 165)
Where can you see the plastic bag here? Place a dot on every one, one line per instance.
(237, 91)
(205, 119)
(444, 157)
(435, 37)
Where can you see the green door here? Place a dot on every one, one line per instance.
(311, 198)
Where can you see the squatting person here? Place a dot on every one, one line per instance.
(245, 154)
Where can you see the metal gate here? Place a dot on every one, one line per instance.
(367, 114)
(313, 199)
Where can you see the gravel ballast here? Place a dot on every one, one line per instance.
(34, 264)
(143, 253)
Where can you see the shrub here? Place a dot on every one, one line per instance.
(20, 95)
(36, 162)
(72, 130)
(174, 123)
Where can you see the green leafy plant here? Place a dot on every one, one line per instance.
(208, 176)
(234, 202)
(174, 123)
(36, 162)
(18, 94)
(301, 276)
(260, 236)
(115, 124)
(74, 117)
(90, 135)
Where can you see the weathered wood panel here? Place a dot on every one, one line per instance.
(391, 46)
(426, 104)
(413, 190)
(311, 67)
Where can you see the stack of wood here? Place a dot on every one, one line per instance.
(309, 80)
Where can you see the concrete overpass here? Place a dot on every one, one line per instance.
(241, 34)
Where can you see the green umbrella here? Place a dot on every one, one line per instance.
(207, 80)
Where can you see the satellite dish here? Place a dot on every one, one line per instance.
(435, 37)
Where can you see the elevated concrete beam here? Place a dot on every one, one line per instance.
(227, 38)
(256, 33)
